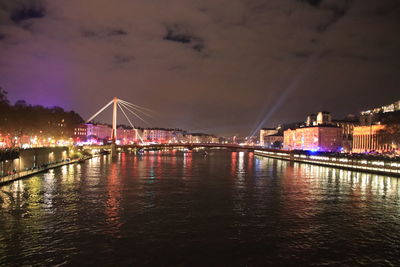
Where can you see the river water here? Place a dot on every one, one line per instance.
(186, 209)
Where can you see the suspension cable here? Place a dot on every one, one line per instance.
(126, 116)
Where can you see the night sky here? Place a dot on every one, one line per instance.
(217, 66)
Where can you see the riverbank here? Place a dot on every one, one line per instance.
(362, 165)
(24, 174)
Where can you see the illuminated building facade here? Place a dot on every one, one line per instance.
(96, 133)
(265, 132)
(315, 138)
(370, 139)
(91, 132)
(157, 135)
(80, 132)
(126, 135)
(99, 131)
(201, 138)
(5, 141)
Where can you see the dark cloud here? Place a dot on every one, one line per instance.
(177, 33)
(315, 3)
(21, 10)
(104, 33)
(27, 12)
(198, 47)
(117, 32)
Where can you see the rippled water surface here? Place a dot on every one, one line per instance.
(187, 209)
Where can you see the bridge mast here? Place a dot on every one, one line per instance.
(114, 121)
(122, 105)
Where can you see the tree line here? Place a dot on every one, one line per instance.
(35, 120)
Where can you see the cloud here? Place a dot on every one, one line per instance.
(315, 3)
(27, 12)
(104, 33)
(117, 32)
(221, 64)
(21, 10)
(177, 33)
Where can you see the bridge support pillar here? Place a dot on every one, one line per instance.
(113, 150)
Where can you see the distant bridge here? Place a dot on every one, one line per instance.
(175, 145)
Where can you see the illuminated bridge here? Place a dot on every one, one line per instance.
(174, 145)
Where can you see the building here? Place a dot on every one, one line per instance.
(5, 141)
(273, 141)
(384, 109)
(178, 136)
(99, 131)
(326, 138)
(373, 138)
(376, 115)
(126, 135)
(322, 118)
(159, 135)
(311, 120)
(90, 132)
(347, 126)
(80, 133)
(271, 137)
(378, 130)
(201, 138)
(318, 134)
(264, 132)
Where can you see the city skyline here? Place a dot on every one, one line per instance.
(122, 122)
(212, 67)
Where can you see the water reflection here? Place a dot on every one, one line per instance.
(240, 208)
(113, 187)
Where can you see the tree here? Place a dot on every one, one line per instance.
(23, 119)
(3, 97)
(20, 103)
(5, 111)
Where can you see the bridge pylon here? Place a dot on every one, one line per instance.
(124, 106)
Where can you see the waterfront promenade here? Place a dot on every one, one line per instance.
(26, 173)
(369, 164)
